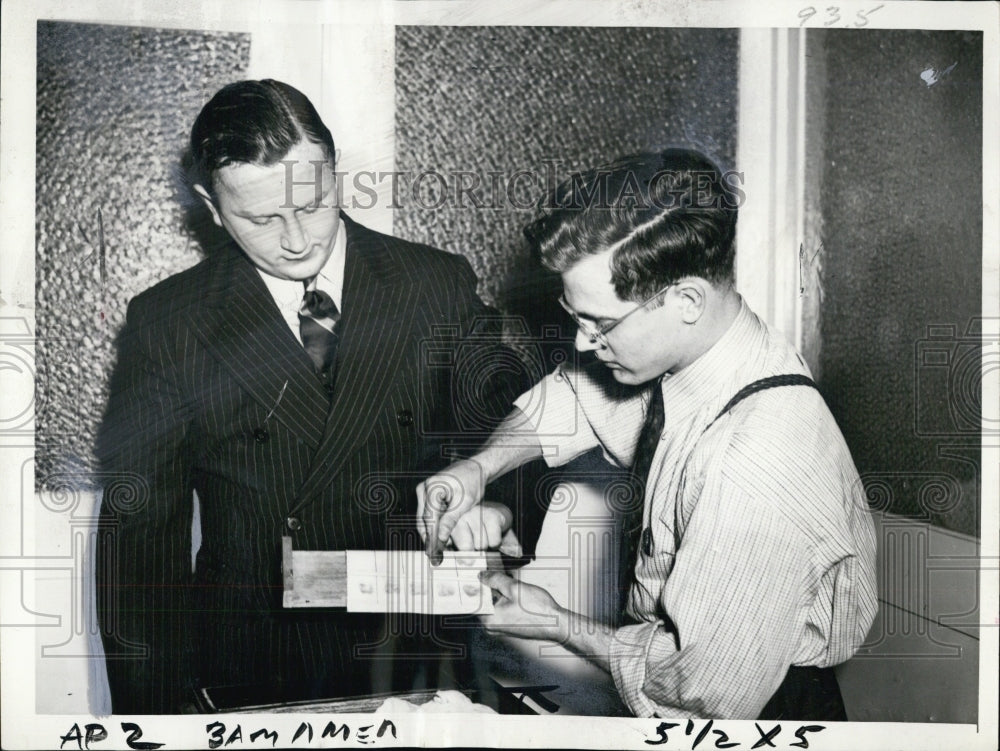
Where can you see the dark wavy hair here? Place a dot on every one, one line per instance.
(666, 215)
(252, 122)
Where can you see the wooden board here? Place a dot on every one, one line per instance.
(314, 578)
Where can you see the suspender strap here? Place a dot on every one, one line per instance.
(789, 379)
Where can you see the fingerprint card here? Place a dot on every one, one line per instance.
(403, 581)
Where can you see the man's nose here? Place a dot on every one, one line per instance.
(583, 342)
(294, 236)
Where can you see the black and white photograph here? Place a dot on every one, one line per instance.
(443, 373)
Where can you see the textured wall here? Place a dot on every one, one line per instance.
(504, 99)
(115, 105)
(901, 203)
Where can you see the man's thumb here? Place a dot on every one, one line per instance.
(510, 545)
(499, 581)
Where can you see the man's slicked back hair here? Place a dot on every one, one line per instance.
(666, 215)
(253, 122)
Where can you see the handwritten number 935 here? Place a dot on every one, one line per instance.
(833, 18)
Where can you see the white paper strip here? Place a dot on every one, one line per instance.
(403, 581)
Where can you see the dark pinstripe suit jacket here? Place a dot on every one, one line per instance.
(202, 360)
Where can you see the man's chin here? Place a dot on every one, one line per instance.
(631, 378)
(297, 271)
(623, 376)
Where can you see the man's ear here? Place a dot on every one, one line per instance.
(693, 295)
(209, 203)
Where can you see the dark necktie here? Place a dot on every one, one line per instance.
(318, 317)
(632, 522)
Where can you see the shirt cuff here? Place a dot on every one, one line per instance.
(628, 657)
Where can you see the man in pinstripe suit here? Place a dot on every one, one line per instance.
(218, 393)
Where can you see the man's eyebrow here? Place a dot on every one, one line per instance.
(251, 214)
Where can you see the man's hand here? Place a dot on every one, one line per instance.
(443, 499)
(486, 527)
(524, 610)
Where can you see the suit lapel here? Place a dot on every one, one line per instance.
(379, 309)
(241, 325)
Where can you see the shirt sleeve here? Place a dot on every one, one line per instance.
(739, 586)
(575, 409)
(555, 417)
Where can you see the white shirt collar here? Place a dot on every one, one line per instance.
(719, 372)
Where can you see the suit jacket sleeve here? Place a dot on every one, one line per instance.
(488, 377)
(144, 559)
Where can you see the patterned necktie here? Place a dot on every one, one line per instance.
(318, 317)
(632, 522)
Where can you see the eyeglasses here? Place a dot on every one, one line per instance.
(599, 334)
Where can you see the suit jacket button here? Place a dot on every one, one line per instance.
(404, 417)
(260, 435)
(293, 523)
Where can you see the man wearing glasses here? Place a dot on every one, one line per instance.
(747, 558)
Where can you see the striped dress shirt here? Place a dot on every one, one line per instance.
(763, 547)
